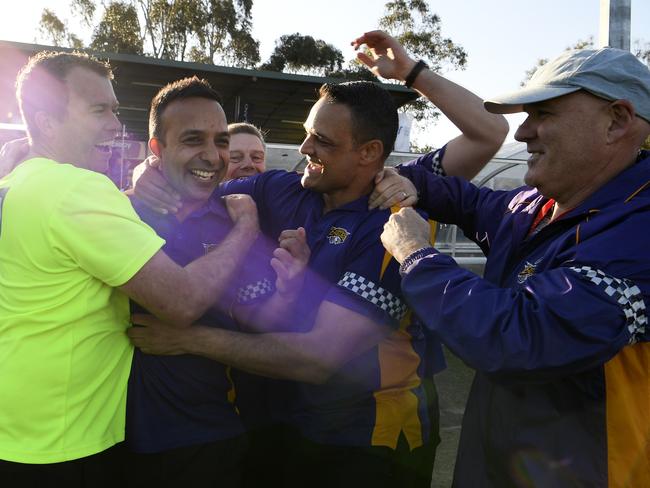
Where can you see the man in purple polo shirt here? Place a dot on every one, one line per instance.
(364, 421)
(182, 426)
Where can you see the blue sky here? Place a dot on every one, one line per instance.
(503, 38)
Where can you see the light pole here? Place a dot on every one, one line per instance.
(615, 18)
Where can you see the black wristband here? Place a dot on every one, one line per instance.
(410, 78)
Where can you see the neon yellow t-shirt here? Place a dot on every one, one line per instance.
(67, 238)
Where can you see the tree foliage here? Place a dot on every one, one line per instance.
(204, 31)
(299, 53)
(642, 51)
(119, 30)
(224, 32)
(419, 31)
(56, 31)
(85, 10)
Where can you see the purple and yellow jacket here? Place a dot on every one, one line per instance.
(557, 330)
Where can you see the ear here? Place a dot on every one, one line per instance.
(155, 145)
(622, 117)
(45, 124)
(372, 152)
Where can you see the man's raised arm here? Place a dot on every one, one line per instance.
(482, 132)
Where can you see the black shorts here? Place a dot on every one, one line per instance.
(101, 470)
(217, 464)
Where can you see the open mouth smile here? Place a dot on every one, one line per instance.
(204, 174)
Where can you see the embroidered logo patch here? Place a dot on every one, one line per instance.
(337, 235)
(527, 271)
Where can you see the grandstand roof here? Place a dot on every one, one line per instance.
(276, 102)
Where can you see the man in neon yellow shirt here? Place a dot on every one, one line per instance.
(72, 250)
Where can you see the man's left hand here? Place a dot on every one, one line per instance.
(156, 337)
(392, 189)
(404, 233)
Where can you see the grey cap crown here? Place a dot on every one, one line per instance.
(612, 74)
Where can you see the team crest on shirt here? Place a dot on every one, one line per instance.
(527, 271)
(337, 235)
(207, 247)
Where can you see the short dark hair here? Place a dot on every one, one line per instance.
(191, 87)
(246, 128)
(40, 84)
(374, 115)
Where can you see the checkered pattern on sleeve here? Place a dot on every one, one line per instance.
(253, 291)
(436, 165)
(626, 294)
(374, 293)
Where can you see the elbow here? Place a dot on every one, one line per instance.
(190, 304)
(498, 132)
(183, 312)
(502, 127)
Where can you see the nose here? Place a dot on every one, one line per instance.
(114, 125)
(526, 131)
(307, 147)
(212, 155)
(246, 161)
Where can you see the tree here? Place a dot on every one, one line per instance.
(168, 25)
(419, 31)
(56, 30)
(53, 27)
(642, 51)
(85, 9)
(119, 30)
(225, 30)
(298, 53)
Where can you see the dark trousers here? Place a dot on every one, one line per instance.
(324, 466)
(266, 457)
(101, 470)
(214, 465)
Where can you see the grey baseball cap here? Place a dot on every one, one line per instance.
(612, 74)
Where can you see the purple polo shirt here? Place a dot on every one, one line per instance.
(177, 401)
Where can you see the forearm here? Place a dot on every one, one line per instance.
(463, 108)
(292, 356)
(179, 296)
(273, 315)
(538, 330)
(209, 276)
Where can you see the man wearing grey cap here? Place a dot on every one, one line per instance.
(557, 327)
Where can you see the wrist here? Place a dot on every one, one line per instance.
(406, 69)
(191, 340)
(248, 225)
(414, 73)
(414, 258)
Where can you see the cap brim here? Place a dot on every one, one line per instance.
(514, 102)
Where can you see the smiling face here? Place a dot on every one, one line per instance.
(193, 147)
(85, 134)
(247, 156)
(565, 137)
(332, 154)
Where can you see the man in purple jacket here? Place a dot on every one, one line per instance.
(557, 327)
